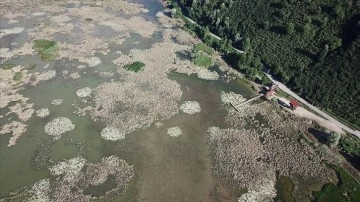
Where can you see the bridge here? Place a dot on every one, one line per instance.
(246, 102)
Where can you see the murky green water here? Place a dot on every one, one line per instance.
(166, 168)
(284, 188)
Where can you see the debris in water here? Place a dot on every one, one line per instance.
(206, 74)
(111, 133)
(42, 112)
(84, 92)
(174, 131)
(190, 107)
(58, 126)
(57, 102)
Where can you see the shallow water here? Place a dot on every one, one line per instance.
(284, 188)
(136, 41)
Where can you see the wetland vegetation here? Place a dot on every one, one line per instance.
(135, 66)
(48, 49)
(80, 125)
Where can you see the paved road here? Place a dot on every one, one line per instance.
(331, 119)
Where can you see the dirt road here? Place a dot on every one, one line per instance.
(331, 119)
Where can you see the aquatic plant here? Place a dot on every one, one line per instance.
(76, 177)
(200, 59)
(204, 48)
(58, 126)
(7, 66)
(69, 168)
(42, 112)
(135, 66)
(276, 136)
(351, 145)
(174, 131)
(347, 188)
(231, 97)
(31, 66)
(207, 74)
(40, 191)
(47, 49)
(190, 107)
(57, 102)
(18, 76)
(84, 92)
(112, 133)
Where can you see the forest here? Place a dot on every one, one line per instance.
(313, 45)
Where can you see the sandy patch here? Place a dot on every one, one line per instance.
(190, 107)
(58, 126)
(302, 112)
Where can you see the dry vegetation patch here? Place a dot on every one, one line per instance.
(266, 139)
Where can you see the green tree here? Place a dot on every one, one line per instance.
(246, 44)
(307, 29)
(336, 43)
(333, 139)
(323, 53)
(338, 11)
(266, 25)
(290, 28)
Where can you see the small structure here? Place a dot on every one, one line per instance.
(294, 104)
(270, 93)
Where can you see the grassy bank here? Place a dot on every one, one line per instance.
(347, 189)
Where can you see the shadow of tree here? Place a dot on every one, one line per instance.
(183, 55)
(319, 135)
(306, 53)
(278, 30)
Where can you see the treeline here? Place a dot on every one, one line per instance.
(312, 46)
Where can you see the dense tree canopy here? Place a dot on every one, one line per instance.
(313, 46)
